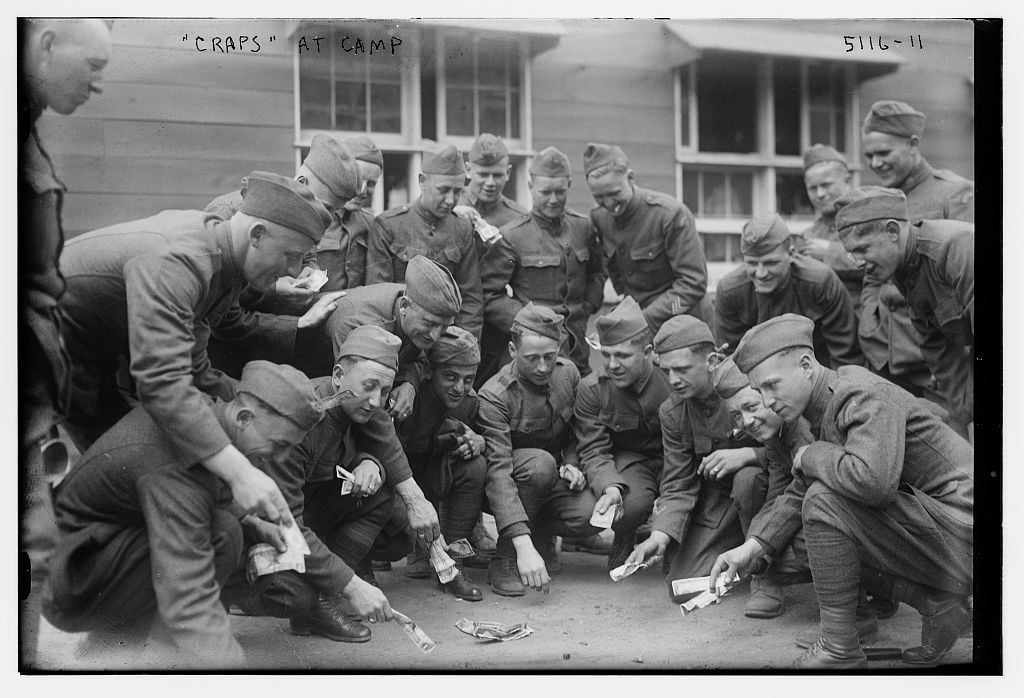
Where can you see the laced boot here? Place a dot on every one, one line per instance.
(765, 600)
(943, 617)
(503, 576)
(324, 618)
(417, 565)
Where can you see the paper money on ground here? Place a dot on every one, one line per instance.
(493, 631)
(414, 633)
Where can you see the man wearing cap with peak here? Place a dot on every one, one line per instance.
(617, 425)
(890, 493)
(429, 227)
(551, 256)
(931, 263)
(445, 453)
(651, 246)
(773, 280)
(891, 136)
(147, 536)
(150, 289)
(712, 483)
(826, 178)
(526, 420)
(357, 435)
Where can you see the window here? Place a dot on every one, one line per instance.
(721, 247)
(786, 93)
(791, 195)
(827, 104)
(481, 86)
(727, 99)
(717, 193)
(350, 90)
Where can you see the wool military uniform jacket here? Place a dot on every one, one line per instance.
(611, 419)
(779, 519)
(556, 263)
(886, 333)
(151, 289)
(342, 251)
(835, 256)
(654, 254)
(813, 291)
(876, 444)
(936, 276)
(401, 233)
(429, 419)
(691, 429)
(515, 414)
(336, 440)
(502, 211)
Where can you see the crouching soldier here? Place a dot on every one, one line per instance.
(146, 536)
(445, 453)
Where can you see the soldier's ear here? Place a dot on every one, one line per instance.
(892, 227)
(256, 232)
(422, 179)
(244, 417)
(806, 363)
(512, 349)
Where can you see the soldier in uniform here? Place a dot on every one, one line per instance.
(551, 257)
(483, 199)
(445, 453)
(890, 494)
(773, 280)
(428, 227)
(150, 290)
(826, 178)
(652, 249)
(693, 521)
(344, 258)
(617, 425)
(891, 137)
(526, 420)
(932, 265)
(147, 536)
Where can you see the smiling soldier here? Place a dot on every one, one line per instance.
(772, 281)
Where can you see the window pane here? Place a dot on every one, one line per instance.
(492, 63)
(386, 68)
(714, 194)
(396, 180)
(826, 98)
(459, 109)
(513, 127)
(786, 84)
(690, 196)
(741, 186)
(791, 195)
(315, 94)
(684, 108)
(386, 108)
(492, 112)
(350, 106)
(458, 61)
(714, 247)
(727, 95)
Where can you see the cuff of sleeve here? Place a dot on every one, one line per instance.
(517, 529)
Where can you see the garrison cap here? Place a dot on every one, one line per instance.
(727, 379)
(598, 154)
(551, 162)
(763, 233)
(284, 389)
(487, 150)
(869, 204)
(771, 337)
(456, 347)
(539, 319)
(443, 161)
(373, 343)
(625, 321)
(897, 118)
(823, 153)
(432, 287)
(284, 201)
(680, 332)
(364, 149)
(335, 165)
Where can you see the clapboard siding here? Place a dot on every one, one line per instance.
(240, 71)
(85, 212)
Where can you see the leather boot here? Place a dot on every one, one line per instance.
(942, 619)
(825, 655)
(867, 631)
(882, 607)
(597, 544)
(503, 576)
(462, 587)
(364, 570)
(622, 546)
(417, 565)
(765, 600)
(481, 540)
(325, 619)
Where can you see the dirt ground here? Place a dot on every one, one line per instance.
(587, 623)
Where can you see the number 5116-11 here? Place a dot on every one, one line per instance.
(876, 42)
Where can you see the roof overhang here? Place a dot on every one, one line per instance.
(544, 34)
(809, 39)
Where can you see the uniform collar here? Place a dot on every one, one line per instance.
(551, 225)
(222, 234)
(423, 213)
(529, 385)
(911, 261)
(335, 414)
(922, 171)
(482, 207)
(632, 207)
(644, 379)
(707, 405)
(821, 394)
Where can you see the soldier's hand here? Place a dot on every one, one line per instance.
(401, 401)
(470, 445)
(532, 571)
(366, 479)
(423, 520)
(264, 532)
(652, 547)
(574, 476)
(321, 310)
(252, 489)
(612, 495)
(725, 461)
(798, 470)
(367, 600)
(735, 562)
